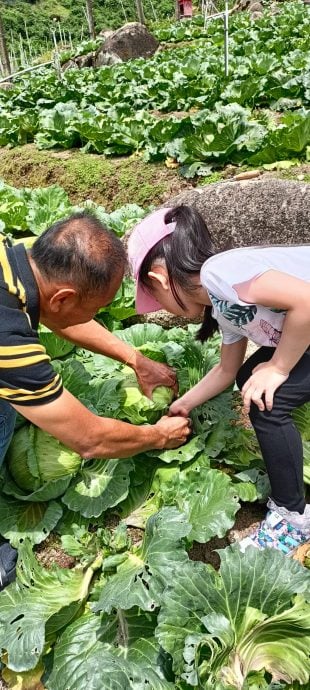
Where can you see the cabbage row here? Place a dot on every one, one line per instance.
(134, 611)
(179, 104)
(132, 615)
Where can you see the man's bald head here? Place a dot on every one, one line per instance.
(81, 251)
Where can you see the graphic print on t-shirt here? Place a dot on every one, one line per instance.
(273, 334)
(235, 313)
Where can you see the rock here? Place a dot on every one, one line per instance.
(106, 33)
(104, 58)
(79, 62)
(70, 64)
(130, 41)
(85, 60)
(256, 7)
(263, 211)
(161, 318)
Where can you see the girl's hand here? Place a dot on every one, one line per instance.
(178, 409)
(265, 380)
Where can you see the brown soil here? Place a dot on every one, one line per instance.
(50, 553)
(247, 520)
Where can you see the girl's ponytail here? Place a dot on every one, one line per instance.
(208, 327)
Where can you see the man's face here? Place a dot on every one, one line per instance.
(74, 309)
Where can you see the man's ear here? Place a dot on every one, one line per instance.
(159, 279)
(64, 297)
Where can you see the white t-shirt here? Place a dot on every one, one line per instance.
(238, 319)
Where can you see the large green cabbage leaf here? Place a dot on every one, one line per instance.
(100, 484)
(139, 580)
(207, 497)
(220, 626)
(30, 603)
(22, 520)
(87, 655)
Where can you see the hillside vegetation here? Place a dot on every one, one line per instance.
(39, 17)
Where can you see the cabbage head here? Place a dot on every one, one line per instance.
(34, 458)
(138, 409)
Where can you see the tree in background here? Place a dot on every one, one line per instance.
(140, 11)
(4, 55)
(90, 18)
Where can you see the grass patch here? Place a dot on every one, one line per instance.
(111, 182)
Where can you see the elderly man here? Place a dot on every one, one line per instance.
(74, 268)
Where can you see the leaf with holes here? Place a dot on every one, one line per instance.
(28, 604)
(139, 581)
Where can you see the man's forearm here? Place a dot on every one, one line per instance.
(89, 435)
(96, 338)
(116, 439)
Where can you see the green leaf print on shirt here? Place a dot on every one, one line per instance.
(235, 313)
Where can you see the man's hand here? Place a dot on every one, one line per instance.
(265, 380)
(151, 374)
(174, 430)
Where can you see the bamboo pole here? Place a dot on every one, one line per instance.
(23, 71)
(4, 53)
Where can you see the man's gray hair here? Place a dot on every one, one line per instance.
(80, 250)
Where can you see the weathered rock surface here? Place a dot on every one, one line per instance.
(262, 211)
(132, 40)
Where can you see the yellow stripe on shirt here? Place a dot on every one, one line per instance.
(24, 394)
(23, 361)
(9, 350)
(6, 268)
(22, 294)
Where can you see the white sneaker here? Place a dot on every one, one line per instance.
(282, 529)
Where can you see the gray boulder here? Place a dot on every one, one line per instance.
(132, 40)
(262, 211)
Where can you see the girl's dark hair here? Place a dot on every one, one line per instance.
(184, 251)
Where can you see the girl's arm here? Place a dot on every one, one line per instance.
(215, 381)
(279, 291)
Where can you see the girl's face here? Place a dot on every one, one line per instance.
(194, 301)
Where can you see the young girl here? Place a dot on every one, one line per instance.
(256, 293)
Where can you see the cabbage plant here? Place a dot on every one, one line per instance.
(35, 458)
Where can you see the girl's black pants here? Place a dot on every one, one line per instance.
(278, 437)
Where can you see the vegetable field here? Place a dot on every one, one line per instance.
(109, 593)
(133, 610)
(179, 106)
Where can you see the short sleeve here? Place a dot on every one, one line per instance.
(26, 374)
(221, 272)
